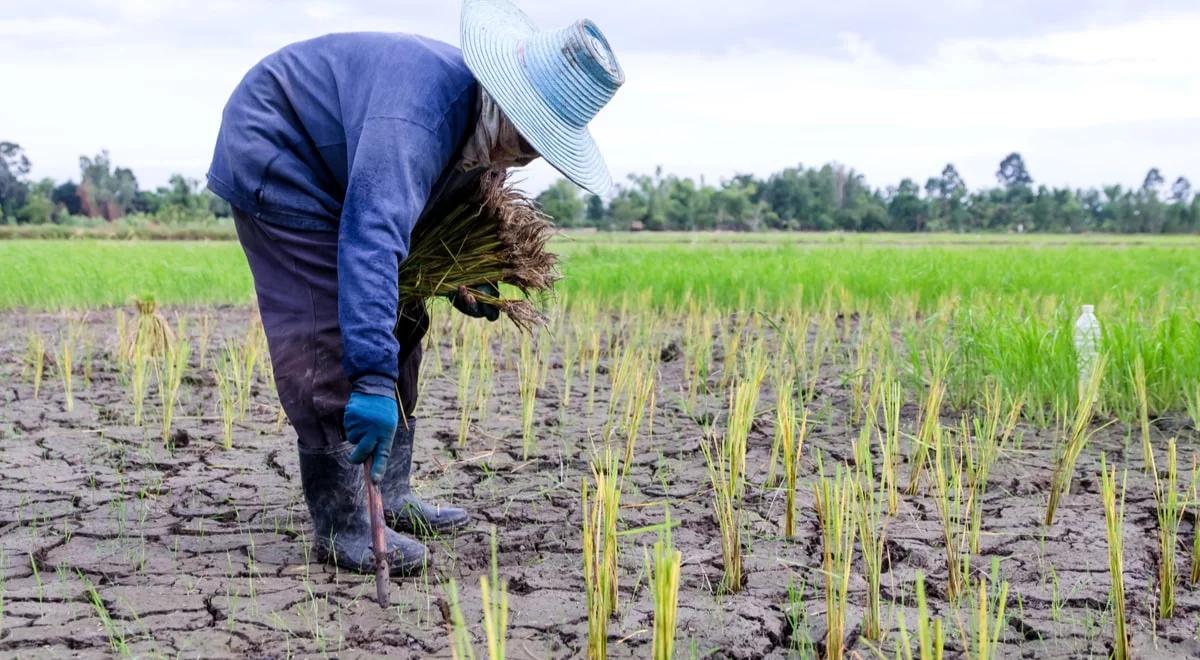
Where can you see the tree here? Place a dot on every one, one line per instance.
(103, 191)
(908, 212)
(66, 195)
(946, 193)
(1153, 181)
(1013, 173)
(562, 203)
(596, 215)
(1181, 190)
(14, 166)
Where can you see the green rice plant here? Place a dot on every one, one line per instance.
(834, 502)
(871, 500)
(663, 567)
(955, 499)
(1169, 509)
(1114, 525)
(495, 607)
(930, 426)
(930, 639)
(1193, 406)
(170, 379)
(139, 378)
(889, 448)
(1143, 405)
(989, 619)
(697, 348)
(528, 373)
(65, 371)
(1077, 438)
(35, 359)
(570, 358)
(202, 340)
(226, 371)
(726, 461)
(600, 551)
(731, 342)
(792, 443)
(1194, 577)
(460, 637)
(117, 638)
(466, 367)
(592, 359)
(485, 380)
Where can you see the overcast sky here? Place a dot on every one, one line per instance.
(1089, 91)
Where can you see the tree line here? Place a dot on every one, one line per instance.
(104, 192)
(831, 197)
(834, 197)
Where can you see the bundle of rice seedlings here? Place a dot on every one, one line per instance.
(491, 233)
(151, 336)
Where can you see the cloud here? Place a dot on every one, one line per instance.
(1090, 92)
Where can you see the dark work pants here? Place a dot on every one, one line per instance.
(295, 278)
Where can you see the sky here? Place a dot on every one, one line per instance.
(1090, 92)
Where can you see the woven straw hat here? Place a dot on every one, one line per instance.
(550, 84)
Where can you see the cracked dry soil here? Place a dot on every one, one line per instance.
(110, 543)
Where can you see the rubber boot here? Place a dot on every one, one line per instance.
(337, 500)
(405, 511)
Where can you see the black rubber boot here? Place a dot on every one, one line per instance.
(402, 508)
(337, 500)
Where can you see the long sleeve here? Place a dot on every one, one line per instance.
(396, 164)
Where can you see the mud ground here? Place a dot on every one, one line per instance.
(111, 544)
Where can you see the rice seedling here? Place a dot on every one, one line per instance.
(989, 619)
(528, 374)
(139, 381)
(202, 340)
(226, 373)
(697, 348)
(1143, 406)
(170, 379)
(1194, 577)
(930, 426)
(889, 449)
(495, 608)
(1114, 521)
(931, 641)
(871, 500)
(1193, 406)
(489, 233)
(151, 335)
(726, 461)
(791, 442)
(663, 566)
(466, 367)
(460, 637)
(65, 370)
(1077, 438)
(592, 359)
(954, 499)
(600, 551)
(834, 502)
(35, 359)
(1169, 510)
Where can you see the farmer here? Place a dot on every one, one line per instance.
(329, 151)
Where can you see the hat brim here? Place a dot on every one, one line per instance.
(490, 32)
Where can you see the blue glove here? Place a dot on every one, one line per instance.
(370, 423)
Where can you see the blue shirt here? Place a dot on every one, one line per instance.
(349, 133)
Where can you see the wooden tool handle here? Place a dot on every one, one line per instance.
(375, 511)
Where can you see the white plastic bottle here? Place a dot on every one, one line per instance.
(1087, 343)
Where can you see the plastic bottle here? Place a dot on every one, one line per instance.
(1087, 342)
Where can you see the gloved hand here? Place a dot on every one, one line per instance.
(466, 303)
(370, 423)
